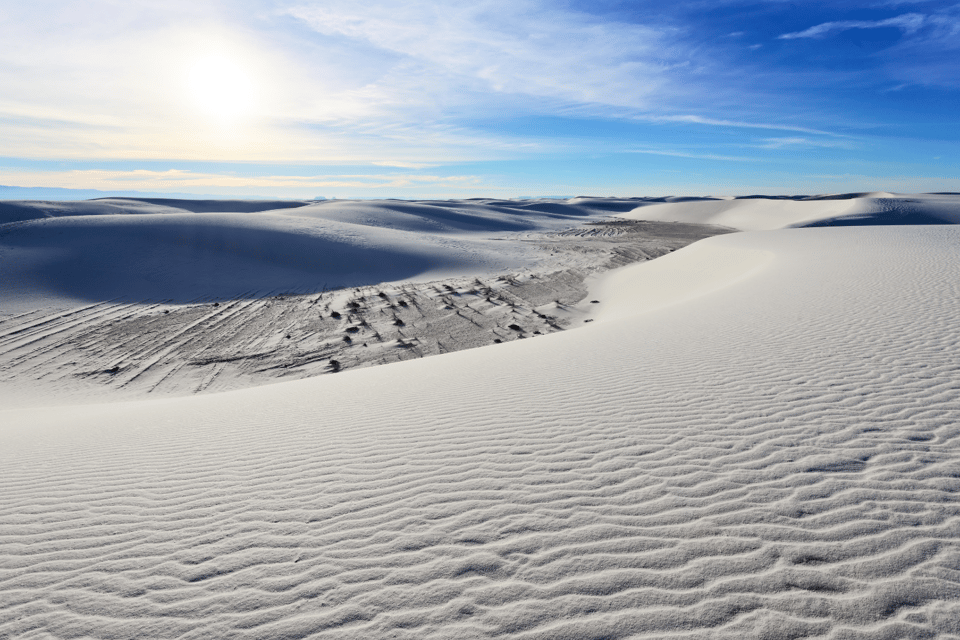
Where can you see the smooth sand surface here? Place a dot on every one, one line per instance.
(757, 436)
(761, 214)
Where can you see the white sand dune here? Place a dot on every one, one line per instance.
(760, 213)
(70, 254)
(188, 256)
(757, 436)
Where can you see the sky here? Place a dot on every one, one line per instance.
(480, 98)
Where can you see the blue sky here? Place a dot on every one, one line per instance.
(410, 99)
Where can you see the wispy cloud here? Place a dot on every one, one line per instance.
(798, 142)
(521, 47)
(402, 165)
(908, 23)
(692, 154)
(694, 119)
(383, 80)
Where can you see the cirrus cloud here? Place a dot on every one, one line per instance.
(522, 47)
(908, 23)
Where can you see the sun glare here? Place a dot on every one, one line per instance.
(221, 89)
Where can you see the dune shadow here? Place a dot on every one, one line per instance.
(179, 261)
(880, 218)
(217, 206)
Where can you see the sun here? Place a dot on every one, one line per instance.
(221, 89)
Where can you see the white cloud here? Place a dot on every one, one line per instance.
(693, 119)
(395, 83)
(794, 142)
(105, 78)
(384, 80)
(688, 154)
(400, 164)
(519, 47)
(908, 23)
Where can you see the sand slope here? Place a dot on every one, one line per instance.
(765, 213)
(772, 453)
(109, 349)
(70, 254)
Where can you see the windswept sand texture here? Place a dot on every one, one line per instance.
(756, 437)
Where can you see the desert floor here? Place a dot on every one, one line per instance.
(640, 418)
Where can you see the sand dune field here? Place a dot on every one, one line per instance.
(639, 418)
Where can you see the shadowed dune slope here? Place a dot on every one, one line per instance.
(69, 253)
(905, 210)
(478, 215)
(22, 210)
(774, 455)
(184, 257)
(472, 215)
(181, 256)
